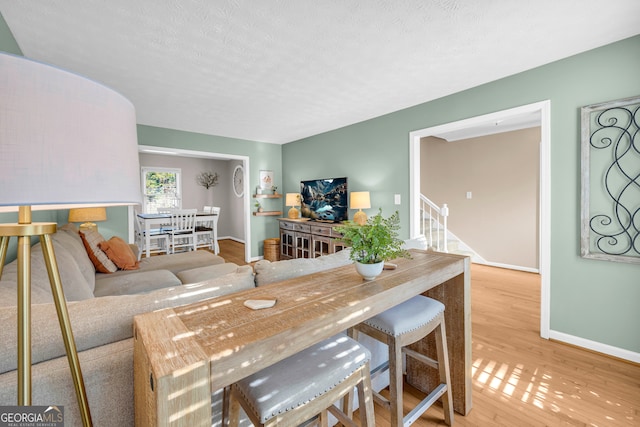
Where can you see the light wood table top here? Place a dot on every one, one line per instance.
(211, 344)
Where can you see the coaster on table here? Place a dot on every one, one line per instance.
(257, 304)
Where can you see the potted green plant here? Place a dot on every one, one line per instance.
(258, 206)
(373, 243)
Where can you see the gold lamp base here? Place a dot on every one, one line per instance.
(88, 226)
(24, 229)
(294, 213)
(360, 217)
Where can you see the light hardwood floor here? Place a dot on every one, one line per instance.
(520, 379)
(232, 251)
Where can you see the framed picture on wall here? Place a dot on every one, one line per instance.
(611, 181)
(266, 179)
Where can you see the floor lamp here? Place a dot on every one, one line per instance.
(65, 142)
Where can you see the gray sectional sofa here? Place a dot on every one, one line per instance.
(102, 321)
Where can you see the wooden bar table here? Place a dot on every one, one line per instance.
(183, 354)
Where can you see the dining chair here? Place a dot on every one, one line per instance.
(167, 211)
(216, 211)
(207, 231)
(182, 232)
(158, 238)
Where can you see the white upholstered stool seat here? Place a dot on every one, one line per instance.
(306, 384)
(398, 327)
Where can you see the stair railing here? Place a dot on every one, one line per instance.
(433, 221)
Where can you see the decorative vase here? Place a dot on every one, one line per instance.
(369, 271)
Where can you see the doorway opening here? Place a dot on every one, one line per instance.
(544, 238)
(246, 209)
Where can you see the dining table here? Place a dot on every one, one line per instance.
(157, 220)
(184, 354)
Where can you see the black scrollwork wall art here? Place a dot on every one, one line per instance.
(611, 181)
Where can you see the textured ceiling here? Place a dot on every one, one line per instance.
(277, 71)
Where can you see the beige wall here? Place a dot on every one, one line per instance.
(196, 196)
(500, 221)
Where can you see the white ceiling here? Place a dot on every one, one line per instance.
(280, 70)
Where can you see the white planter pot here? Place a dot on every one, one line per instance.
(369, 271)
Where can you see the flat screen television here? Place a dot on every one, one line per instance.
(324, 199)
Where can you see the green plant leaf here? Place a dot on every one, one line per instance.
(375, 241)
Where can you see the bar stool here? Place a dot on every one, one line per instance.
(398, 327)
(307, 384)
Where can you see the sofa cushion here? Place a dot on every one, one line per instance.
(108, 380)
(209, 272)
(176, 263)
(105, 320)
(90, 239)
(74, 285)
(9, 294)
(270, 272)
(69, 236)
(129, 284)
(120, 253)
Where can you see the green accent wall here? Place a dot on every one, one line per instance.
(591, 299)
(7, 42)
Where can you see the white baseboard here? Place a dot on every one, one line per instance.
(610, 350)
(235, 239)
(509, 266)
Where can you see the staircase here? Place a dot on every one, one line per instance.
(437, 236)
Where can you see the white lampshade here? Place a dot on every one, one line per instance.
(292, 199)
(65, 141)
(360, 200)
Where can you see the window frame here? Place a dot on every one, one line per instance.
(144, 170)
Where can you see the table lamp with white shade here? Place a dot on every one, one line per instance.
(65, 142)
(360, 200)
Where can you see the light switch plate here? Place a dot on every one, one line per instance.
(396, 199)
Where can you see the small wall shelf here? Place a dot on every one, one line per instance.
(268, 213)
(267, 196)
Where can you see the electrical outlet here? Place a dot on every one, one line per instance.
(468, 194)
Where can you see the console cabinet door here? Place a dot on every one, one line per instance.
(307, 239)
(287, 244)
(303, 245)
(321, 245)
(336, 246)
